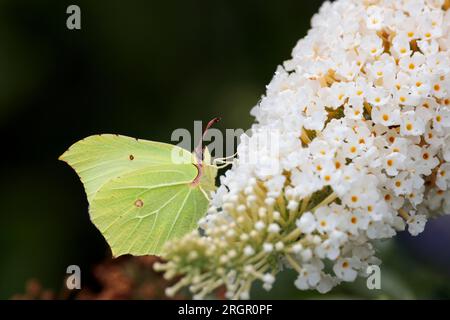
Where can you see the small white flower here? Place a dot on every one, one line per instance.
(326, 221)
(386, 116)
(344, 269)
(375, 18)
(412, 123)
(260, 225)
(268, 247)
(401, 46)
(416, 224)
(279, 246)
(293, 205)
(412, 64)
(297, 248)
(378, 96)
(308, 278)
(307, 222)
(268, 278)
(443, 176)
(274, 228)
(249, 251)
(372, 45)
(326, 283)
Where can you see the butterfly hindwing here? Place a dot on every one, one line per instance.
(138, 212)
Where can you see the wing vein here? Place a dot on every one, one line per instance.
(176, 218)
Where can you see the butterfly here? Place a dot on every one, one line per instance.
(142, 193)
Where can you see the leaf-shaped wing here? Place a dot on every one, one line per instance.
(139, 211)
(140, 195)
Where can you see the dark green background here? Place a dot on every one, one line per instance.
(139, 68)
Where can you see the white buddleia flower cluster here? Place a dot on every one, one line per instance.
(362, 111)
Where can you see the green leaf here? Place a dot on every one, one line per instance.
(139, 198)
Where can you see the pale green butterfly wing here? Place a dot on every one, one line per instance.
(139, 211)
(139, 197)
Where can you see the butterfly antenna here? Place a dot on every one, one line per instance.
(200, 149)
(224, 162)
(224, 159)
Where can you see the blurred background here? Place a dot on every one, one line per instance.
(142, 68)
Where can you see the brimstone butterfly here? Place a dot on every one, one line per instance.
(139, 196)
